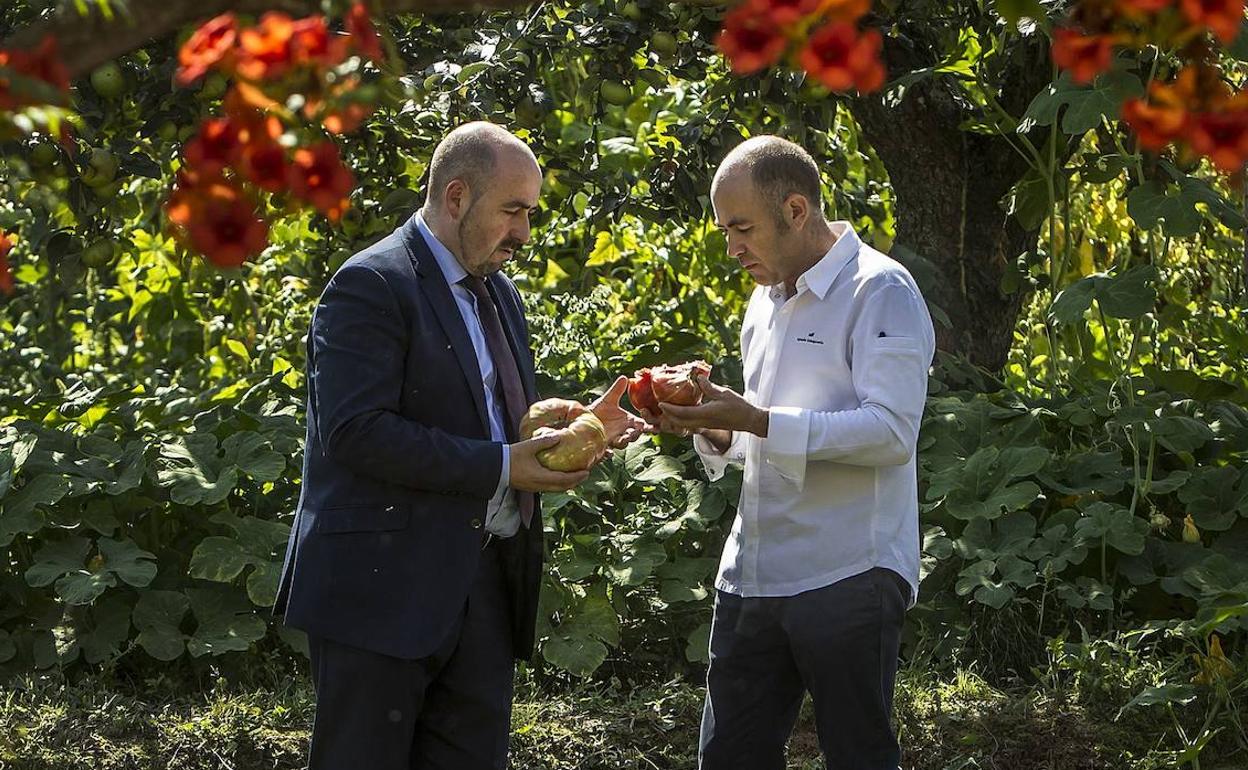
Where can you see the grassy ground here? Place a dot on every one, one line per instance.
(949, 724)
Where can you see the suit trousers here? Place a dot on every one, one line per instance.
(448, 711)
(839, 642)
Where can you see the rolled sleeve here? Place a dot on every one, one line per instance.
(715, 462)
(787, 446)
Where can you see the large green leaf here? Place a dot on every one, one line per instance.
(986, 486)
(158, 617)
(226, 622)
(581, 655)
(127, 561)
(1086, 105)
(1119, 528)
(1216, 497)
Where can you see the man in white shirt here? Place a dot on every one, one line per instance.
(823, 557)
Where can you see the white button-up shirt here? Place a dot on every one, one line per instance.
(842, 367)
(502, 512)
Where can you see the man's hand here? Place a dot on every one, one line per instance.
(531, 476)
(623, 427)
(722, 409)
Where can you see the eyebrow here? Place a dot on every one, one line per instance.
(519, 204)
(734, 222)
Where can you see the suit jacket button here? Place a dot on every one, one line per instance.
(476, 524)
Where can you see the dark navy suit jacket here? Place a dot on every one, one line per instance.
(398, 464)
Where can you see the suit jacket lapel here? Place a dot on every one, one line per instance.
(438, 293)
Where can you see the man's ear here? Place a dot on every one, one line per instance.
(456, 198)
(796, 210)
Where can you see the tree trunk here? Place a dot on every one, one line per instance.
(949, 187)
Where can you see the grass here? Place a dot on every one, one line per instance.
(952, 723)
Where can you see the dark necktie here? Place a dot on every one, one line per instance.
(506, 371)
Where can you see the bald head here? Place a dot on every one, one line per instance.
(472, 154)
(777, 168)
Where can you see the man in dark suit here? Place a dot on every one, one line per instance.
(415, 559)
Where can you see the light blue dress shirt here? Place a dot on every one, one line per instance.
(502, 512)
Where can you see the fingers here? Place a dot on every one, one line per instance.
(539, 443)
(709, 389)
(557, 481)
(616, 391)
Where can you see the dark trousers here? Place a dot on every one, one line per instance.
(839, 642)
(449, 711)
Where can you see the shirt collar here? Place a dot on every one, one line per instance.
(451, 269)
(820, 276)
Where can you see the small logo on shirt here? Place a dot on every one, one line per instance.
(811, 339)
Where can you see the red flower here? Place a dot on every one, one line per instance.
(1155, 125)
(219, 221)
(319, 178)
(210, 45)
(1222, 137)
(265, 51)
(363, 34)
(840, 58)
(844, 10)
(311, 43)
(785, 12)
(340, 113)
(42, 63)
(6, 277)
(264, 164)
(1222, 17)
(216, 147)
(750, 42)
(1162, 118)
(1084, 56)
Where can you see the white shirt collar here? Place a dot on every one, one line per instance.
(451, 269)
(820, 276)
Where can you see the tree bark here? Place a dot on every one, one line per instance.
(949, 185)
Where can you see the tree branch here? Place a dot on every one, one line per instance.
(91, 40)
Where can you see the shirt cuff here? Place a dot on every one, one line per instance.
(788, 434)
(714, 461)
(505, 477)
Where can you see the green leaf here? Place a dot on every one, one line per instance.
(1162, 695)
(1121, 530)
(1216, 497)
(1154, 203)
(109, 630)
(18, 514)
(158, 616)
(662, 468)
(573, 564)
(195, 474)
(577, 655)
(638, 560)
(594, 617)
(698, 649)
(983, 486)
(684, 579)
(263, 582)
(56, 559)
(221, 559)
(251, 454)
(127, 561)
(1014, 11)
(227, 622)
(1086, 105)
